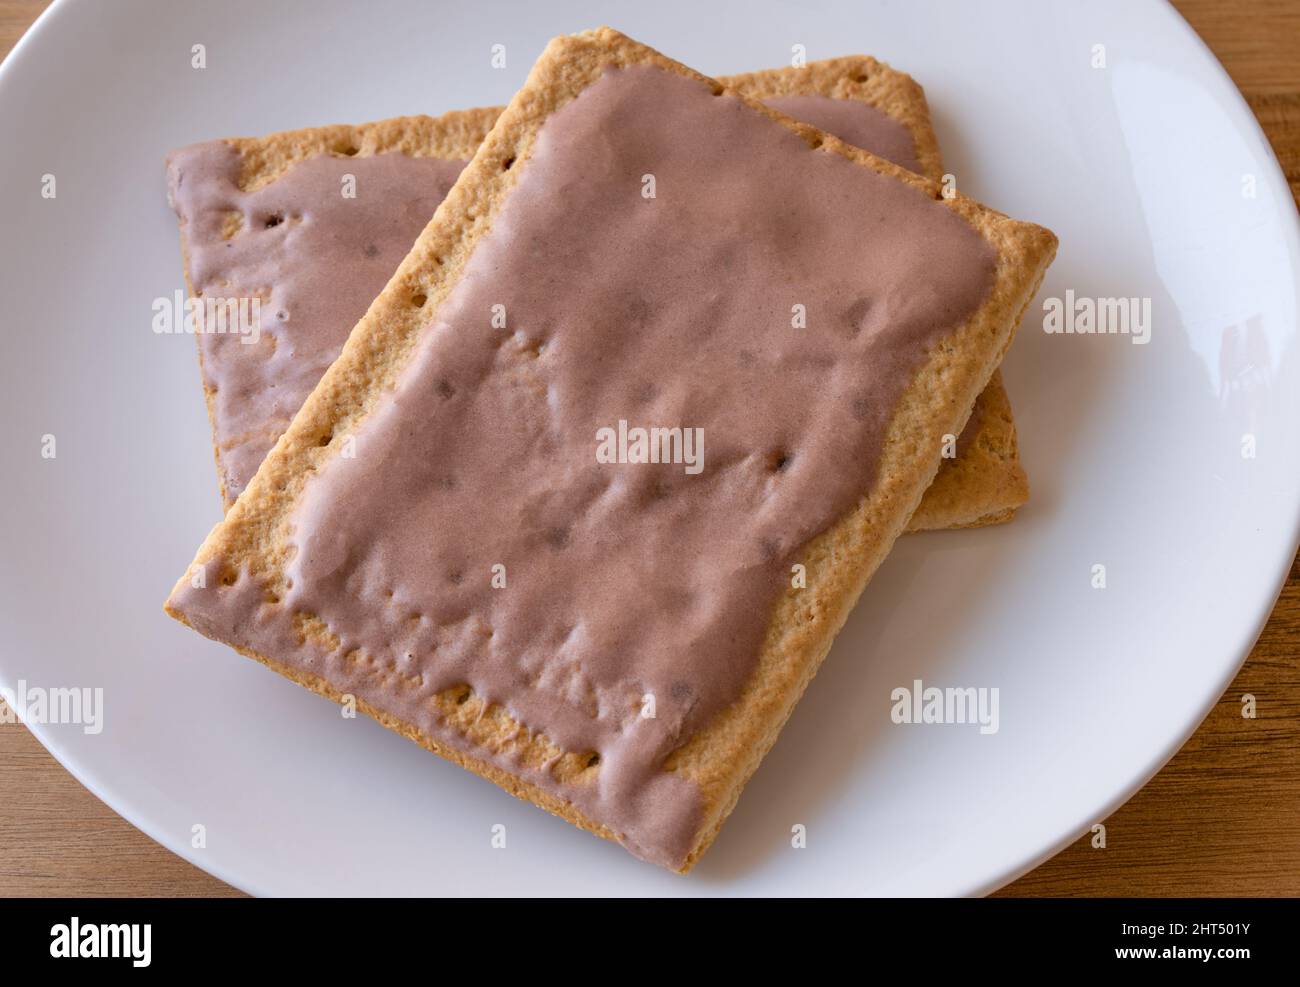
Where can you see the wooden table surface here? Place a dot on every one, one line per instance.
(1222, 818)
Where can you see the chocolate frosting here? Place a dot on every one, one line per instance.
(633, 579)
(316, 258)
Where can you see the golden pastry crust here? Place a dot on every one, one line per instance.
(857, 77)
(984, 485)
(453, 136)
(255, 539)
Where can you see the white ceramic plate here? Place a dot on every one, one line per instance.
(1152, 171)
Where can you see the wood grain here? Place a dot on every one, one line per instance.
(1222, 818)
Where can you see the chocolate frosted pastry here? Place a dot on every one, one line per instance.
(580, 506)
